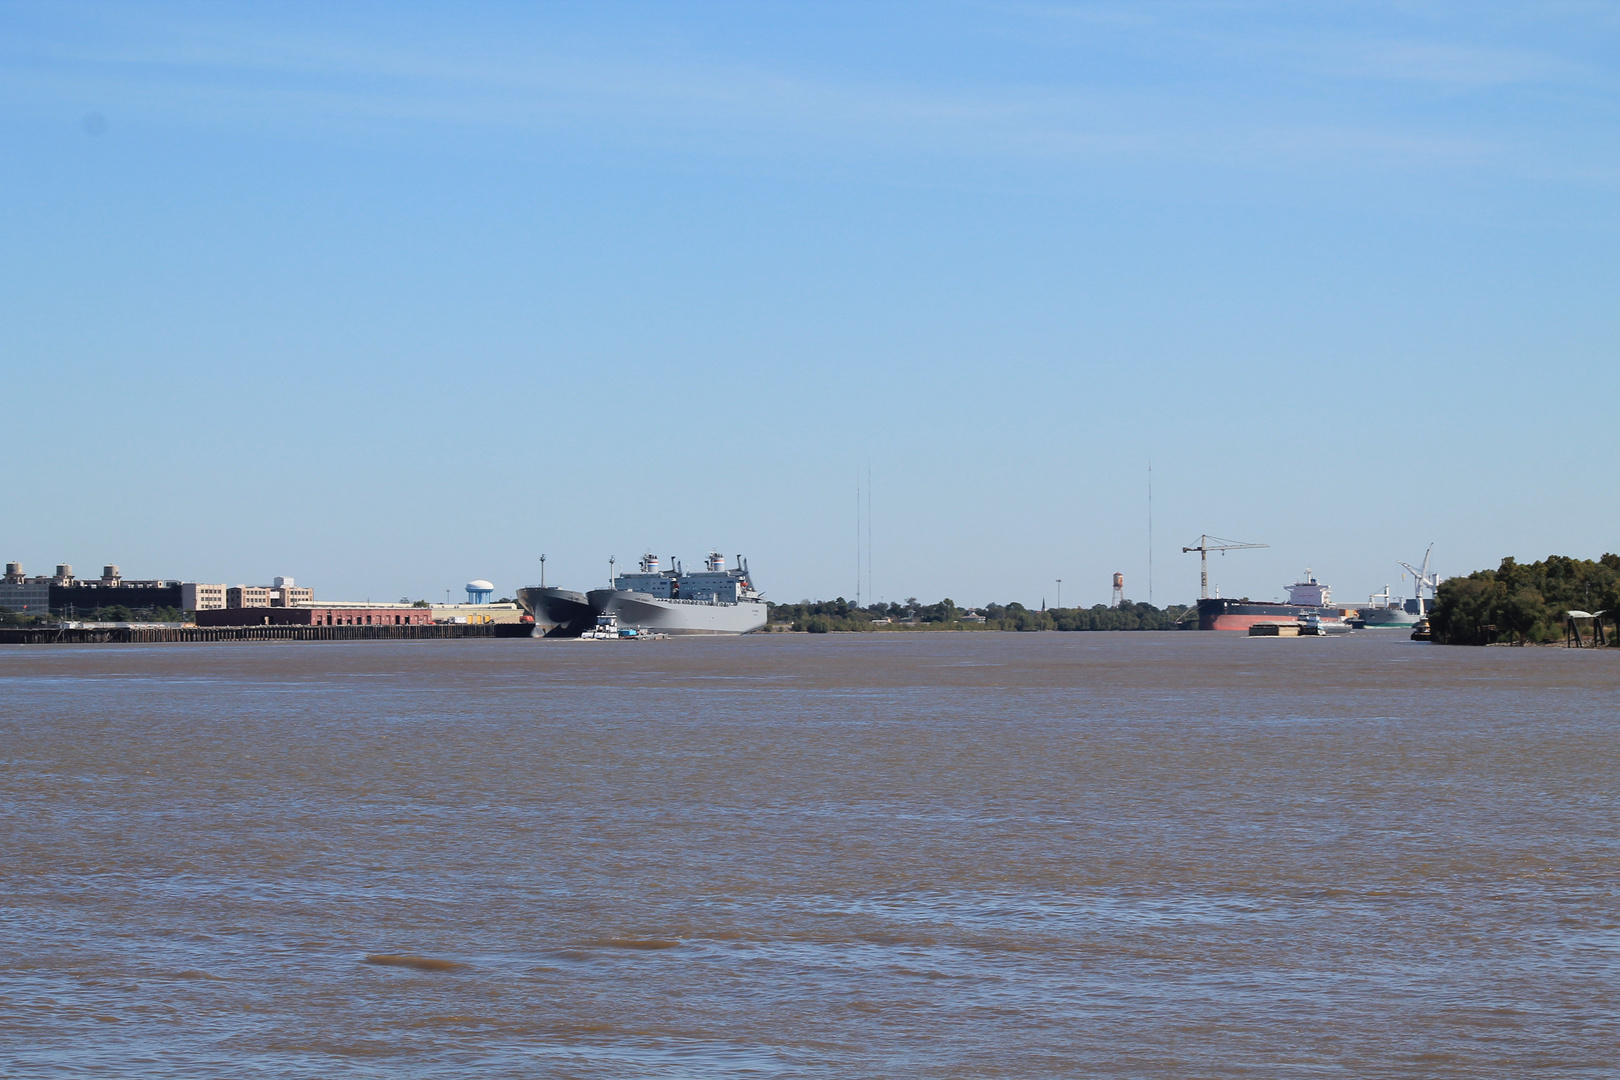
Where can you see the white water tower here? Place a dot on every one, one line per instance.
(479, 592)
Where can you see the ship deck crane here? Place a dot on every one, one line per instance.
(1204, 547)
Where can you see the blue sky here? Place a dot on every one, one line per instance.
(387, 297)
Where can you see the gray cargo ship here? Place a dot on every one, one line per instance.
(1386, 611)
(714, 600)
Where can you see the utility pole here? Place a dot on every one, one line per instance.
(542, 571)
(1204, 547)
(1059, 593)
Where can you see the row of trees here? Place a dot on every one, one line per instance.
(1128, 616)
(113, 613)
(1523, 602)
(824, 616)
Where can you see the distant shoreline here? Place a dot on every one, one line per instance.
(842, 616)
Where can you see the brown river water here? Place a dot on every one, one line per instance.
(932, 855)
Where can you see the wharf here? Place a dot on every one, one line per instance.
(149, 635)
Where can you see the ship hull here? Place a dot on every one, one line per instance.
(1219, 614)
(677, 617)
(557, 612)
(1387, 619)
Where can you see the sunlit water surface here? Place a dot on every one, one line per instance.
(934, 855)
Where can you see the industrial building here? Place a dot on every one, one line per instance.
(63, 594)
(477, 614)
(333, 615)
(281, 603)
(199, 597)
(282, 593)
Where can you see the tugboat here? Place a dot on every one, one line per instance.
(1421, 631)
(606, 629)
(1316, 625)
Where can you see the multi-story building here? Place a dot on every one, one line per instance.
(195, 596)
(30, 596)
(290, 595)
(238, 596)
(283, 593)
(63, 594)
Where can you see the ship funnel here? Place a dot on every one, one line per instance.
(649, 564)
(717, 562)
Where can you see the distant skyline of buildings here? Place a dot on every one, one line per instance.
(62, 593)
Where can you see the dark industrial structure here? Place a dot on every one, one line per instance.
(63, 594)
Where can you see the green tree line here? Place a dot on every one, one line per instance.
(826, 616)
(113, 613)
(1523, 603)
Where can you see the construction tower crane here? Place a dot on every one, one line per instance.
(1421, 578)
(1204, 547)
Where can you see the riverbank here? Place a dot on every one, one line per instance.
(151, 635)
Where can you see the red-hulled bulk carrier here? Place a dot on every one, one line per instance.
(1305, 597)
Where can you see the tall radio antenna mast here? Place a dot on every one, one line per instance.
(1150, 532)
(857, 538)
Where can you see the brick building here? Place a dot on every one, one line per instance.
(337, 615)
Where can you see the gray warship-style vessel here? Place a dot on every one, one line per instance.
(557, 612)
(714, 600)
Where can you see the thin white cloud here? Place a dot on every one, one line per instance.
(225, 71)
(1460, 65)
(1369, 42)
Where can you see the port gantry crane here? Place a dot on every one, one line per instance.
(1421, 578)
(1204, 547)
